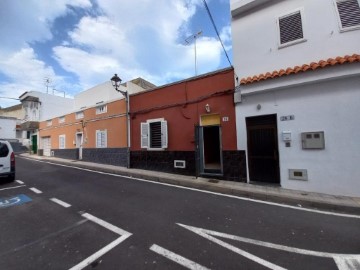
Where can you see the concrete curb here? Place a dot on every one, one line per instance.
(342, 204)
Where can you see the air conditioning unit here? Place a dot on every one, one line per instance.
(180, 164)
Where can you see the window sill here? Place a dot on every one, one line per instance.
(281, 46)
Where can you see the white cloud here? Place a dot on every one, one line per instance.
(131, 38)
(23, 22)
(138, 39)
(26, 73)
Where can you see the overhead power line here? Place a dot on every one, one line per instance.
(217, 32)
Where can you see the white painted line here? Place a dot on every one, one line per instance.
(177, 258)
(105, 224)
(124, 235)
(234, 249)
(208, 192)
(342, 260)
(347, 264)
(35, 190)
(64, 204)
(19, 182)
(12, 187)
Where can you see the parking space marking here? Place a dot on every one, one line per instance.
(12, 187)
(35, 190)
(18, 199)
(60, 202)
(343, 261)
(177, 258)
(123, 236)
(19, 182)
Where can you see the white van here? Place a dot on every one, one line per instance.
(7, 161)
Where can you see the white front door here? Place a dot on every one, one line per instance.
(79, 142)
(46, 144)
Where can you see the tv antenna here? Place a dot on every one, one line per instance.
(47, 82)
(190, 39)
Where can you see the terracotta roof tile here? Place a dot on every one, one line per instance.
(306, 67)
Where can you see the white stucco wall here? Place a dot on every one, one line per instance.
(50, 107)
(103, 93)
(7, 128)
(255, 36)
(332, 107)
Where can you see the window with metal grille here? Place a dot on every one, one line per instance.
(154, 134)
(349, 13)
(291, 28)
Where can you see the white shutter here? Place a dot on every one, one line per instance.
(291, 28)
(104, 139)
(101, 138)
(62, 142)
(98, 139)
(144, 135)
(164, 134)
(349, 12)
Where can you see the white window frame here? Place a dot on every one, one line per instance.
(101, 109)
(62, 141)
(101, 133)
(49, 123)
(61, 119)
(341, 28)
(145, 134)
(79, 115)
(290, 43)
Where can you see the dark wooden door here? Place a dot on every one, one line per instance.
(263, 155)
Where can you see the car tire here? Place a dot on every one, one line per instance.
(11, 177)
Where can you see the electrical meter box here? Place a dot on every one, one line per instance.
(313, 140)
(286, 136)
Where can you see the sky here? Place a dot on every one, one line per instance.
(78, 44)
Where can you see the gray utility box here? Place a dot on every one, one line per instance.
(313, 140)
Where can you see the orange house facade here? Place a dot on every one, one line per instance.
(188, 127)
(96, 134)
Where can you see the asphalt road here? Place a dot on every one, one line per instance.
(57, 217)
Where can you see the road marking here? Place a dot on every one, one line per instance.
(12, 187)
(60, 202)
(20, 182)
(206, 191)
(123, 236)
(343, 261)
(239, 251)
(35, 190)
(177, 258)
(18, 199)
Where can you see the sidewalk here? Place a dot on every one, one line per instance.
(319, 201)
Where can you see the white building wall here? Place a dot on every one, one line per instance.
(326, 99)
(50, 106)
(332, 107)
(7, 128)
(256, 39)
(103, 93)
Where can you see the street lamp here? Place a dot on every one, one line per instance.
(116, 81)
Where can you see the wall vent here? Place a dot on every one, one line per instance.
(179, 164)
(295, 174)
(291, 28)
(349, 13)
